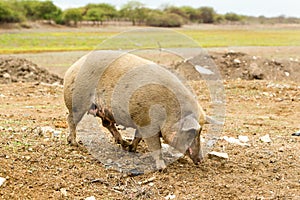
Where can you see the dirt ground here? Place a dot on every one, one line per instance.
(36, 162)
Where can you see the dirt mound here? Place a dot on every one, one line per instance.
(233, 65)
(238, 65)
(14, 69)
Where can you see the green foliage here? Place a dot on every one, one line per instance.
(72, 15)
(134, 11)
(192, 13)
(8, 14)
(207, 15)
(46, 10)
(159, 19)
(29, 8)
(107, 11)
(177, 11)
(233, 17)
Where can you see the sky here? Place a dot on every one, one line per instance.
(268, 8)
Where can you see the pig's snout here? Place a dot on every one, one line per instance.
(196, 157)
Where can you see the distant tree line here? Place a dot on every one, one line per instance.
(12, 11)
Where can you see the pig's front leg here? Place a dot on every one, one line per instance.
(154, 147)
(135, 142)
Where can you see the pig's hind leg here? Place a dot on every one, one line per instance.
(72, 126)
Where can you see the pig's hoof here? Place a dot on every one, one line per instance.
(72, 142)
(160, 165)
(132, 148)
(125, 144)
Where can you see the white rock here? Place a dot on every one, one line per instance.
(287, 73)
(265, 138)
(6, 76)
(30, 107)
(57, 133)
(203, 70)
(24, 128)
(2, 180)
(90, 198)
(233, 140)
(219, 154)
(2, 95)
(170, 196)
(237, 61)
(64, 192)
(243, 138)
(230, 139)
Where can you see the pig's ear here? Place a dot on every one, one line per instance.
(190, 123)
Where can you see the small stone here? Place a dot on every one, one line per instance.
(2, 180)
(10, 129)
(281, 149)
(266, 138)
(296, 133)
(27, 158)
(170, 196)
(243, 138)
(90, 198)
(29, 107)
(6, 76)
(287, 74)
(24, 128)
(237, 61)
(219, 154)
(64, 192)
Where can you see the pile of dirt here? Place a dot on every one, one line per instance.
(238, 65)
(13, 69)
(233, 65)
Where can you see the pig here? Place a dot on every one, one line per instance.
(134, 92)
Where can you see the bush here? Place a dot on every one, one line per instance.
(8, 15)
(164, 20)
(207, 15)
(233, 17)
(72, 15)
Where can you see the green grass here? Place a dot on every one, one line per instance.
(24, 42)
(221, 38)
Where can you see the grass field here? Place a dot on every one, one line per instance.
(89, 39)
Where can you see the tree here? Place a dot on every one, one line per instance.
(8, 15)
(29, 8)
(95, 15)
(108, 11)
(192, 13)
(232, 17)
(134, 11)
(177, 11)
(160, 19)
(47, 10)
(207, 15)
(72, 15)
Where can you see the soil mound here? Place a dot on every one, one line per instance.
(233, 65)
(14, 69)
